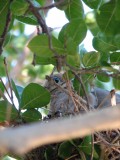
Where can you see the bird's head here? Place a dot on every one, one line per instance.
(53, 81)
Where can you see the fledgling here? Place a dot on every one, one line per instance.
(65, 101)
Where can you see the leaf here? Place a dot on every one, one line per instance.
(115, 57)
(92, 3)
(91, 59)
(19, 7)
(73, 33)
(4, 7)
(40, 46)
(106, 18)
(103, 46)
(63, 5)
(65, 150)
(117, 11)
(116, 82)
(31, 115)
(44, 60)
(34, 96)
(117, 41)
(74, 10)
(4, 105)
(86, 146)
(103, 78)
(17, 90)
(73, 60)
(2, 67)
(27, 20)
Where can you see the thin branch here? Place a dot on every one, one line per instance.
(5, 87)
(3, 36)
(92, 148)
(57, 4)
(37, 134)
(82, 85)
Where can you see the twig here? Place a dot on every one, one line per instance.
(3, 36)
(92, 148)
(9, 81)
(2, 95)
(60, 3)
(5, 88)
(83, 87)
(37, 134)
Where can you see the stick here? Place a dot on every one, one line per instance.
(24, 138)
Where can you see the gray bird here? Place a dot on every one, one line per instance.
(65, 101)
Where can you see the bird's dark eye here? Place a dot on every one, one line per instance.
(56, 79)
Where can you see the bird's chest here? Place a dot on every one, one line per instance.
(61, 102)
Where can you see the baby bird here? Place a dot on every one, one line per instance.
(65, 101)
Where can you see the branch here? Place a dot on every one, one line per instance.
(57, 4)
(24, 138)
(3, 36)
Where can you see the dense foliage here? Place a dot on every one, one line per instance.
(19, 65)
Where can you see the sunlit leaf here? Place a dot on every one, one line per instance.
(73, 33)
(74, 10)
(106, 18)
(40, 46)
(34, 96)
(91, 58)
(31, 115)
(103, 46)
(19, 7)
(7, 109)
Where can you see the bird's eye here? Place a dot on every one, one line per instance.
(56, 79)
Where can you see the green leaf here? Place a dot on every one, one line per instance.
(117, 41)
(91, 59)
(40, 46)
(44, 60)
(103, 78)
(19, 7)
(27, 20)
(65, 150)
(74, 60)
(86, 146)
(63, 5)
(94, 4)
(74, 10)
(31, 115)
(17, 90)
(4, 7)
(34, 96)
(4, 105)
(103, 46)
(116, 82)
(106, 18)
(2, 67)
(73, 33)
(115, 57)
(117, 11)
(49, 152)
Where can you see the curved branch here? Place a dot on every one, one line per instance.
(24, 138)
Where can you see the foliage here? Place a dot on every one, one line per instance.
(98, 67)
